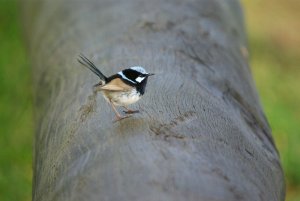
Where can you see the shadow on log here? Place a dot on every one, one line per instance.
(201, 133)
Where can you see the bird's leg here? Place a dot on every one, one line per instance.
(129, 111)
(118, 116)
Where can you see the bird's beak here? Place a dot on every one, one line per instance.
(150, 74)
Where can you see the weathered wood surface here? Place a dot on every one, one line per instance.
(201, 133)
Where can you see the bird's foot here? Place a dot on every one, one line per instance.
(131, 111)
(119, 118)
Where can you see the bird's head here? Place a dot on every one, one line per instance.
(141, 73)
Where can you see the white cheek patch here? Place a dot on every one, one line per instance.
(139, 79)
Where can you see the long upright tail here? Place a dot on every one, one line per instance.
(90, 65)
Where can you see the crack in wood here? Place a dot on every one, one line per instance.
(156, 26)
(166, 130)
(88, 108)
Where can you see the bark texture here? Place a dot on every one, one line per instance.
(201, 133)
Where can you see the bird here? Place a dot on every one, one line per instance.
(121, 89)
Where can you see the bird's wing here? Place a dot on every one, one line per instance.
(116, 85)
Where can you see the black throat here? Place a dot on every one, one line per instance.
(141, 87)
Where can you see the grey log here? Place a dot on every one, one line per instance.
(201, 133)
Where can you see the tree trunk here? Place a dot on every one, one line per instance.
(201, 133)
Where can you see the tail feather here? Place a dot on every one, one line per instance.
(90, 65)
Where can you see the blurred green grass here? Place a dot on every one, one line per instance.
(273, 31)
(16, 128)
(274, 41)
